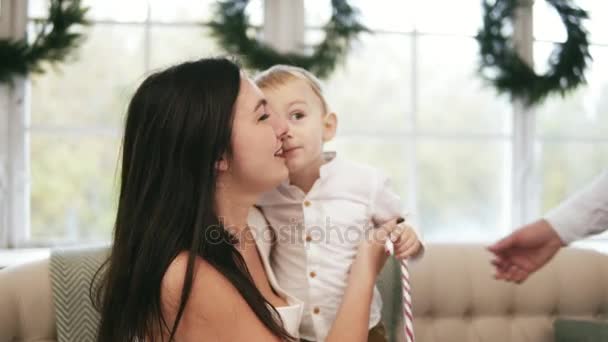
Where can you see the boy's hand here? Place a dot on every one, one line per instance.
(405, 241)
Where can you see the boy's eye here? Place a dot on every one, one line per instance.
(297, 116)
(264, 117)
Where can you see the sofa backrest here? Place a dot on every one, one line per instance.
(26, 303)
(456, 298)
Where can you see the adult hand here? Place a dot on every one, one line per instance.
(372, 253)
(525, 251)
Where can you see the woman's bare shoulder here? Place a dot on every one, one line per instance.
(207, 282)
(215, 310)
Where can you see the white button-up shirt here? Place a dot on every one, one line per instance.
(317, 236)
(584, 214)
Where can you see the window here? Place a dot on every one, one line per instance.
(443, 137)
(450, 143)
(571, 142)
(570, 157)
(77, 111)
(455, 150)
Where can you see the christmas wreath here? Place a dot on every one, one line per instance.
(53, 41)
(230, 29)
(501, 65)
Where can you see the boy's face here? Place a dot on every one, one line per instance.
(298, 103)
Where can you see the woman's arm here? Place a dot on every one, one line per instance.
(352, 321)
(583, 214)
(215, 311)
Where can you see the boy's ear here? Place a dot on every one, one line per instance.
(330, 125)
(221, 164)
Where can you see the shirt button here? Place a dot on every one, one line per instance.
(313, 274)
(316, 310)
(307, 203)
(308, 238)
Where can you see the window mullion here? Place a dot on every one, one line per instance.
(524, 197)
(14, 148)
(412, 142)
(147, 38)
(284, 25)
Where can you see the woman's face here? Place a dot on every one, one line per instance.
(257, 163)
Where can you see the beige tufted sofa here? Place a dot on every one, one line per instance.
(455, 297)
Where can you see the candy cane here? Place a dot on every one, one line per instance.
(408, 316)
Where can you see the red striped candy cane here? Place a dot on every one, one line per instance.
(408, 316)
(406, 292)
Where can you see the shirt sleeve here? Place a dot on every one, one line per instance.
(584, 214)
(386, 205)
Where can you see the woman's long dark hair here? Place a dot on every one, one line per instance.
(178, 124)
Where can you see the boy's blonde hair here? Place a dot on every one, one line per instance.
(281, 74)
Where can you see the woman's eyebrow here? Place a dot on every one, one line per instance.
(261, 102)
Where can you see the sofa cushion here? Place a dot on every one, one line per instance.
(568, 330)
(71, 273)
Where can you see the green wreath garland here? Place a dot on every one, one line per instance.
(230, 29)
(509, 74)
(53, 42)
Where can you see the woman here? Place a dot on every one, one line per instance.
(199, 147)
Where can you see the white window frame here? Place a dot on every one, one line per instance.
(525, 197)
(14, 147)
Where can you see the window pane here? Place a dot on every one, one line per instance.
(199, 11)
(387, 156)
(453, 97)
(255, 12)
(117, 10)
(181, 10)
(73, 190)
(453, 17)
(568, 167)
(462, 189)
(171, 45)
(95, 88)
(371, 92)
(114, 10)
(389, 15)
(598, 14)
(583, 113)
(317, 13)
(38, 8)
(548, 25)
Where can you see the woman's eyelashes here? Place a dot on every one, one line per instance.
(264, 117)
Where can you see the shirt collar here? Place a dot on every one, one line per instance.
(325, 170)
(330, 164)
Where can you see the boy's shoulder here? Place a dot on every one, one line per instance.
(348, 168)
(353, 179)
